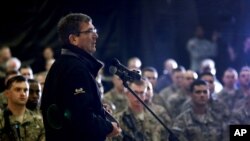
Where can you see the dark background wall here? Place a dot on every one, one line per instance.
(153, 30)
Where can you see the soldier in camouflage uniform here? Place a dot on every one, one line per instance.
(229, 94)
(136, 123)
(242, 114)
(198, 123)
(17, 123)
(33, 102)
(175, 101)
(158, 109)
(216, 106)
(177, 77)
(244, 87)
(3, 99)
(151, 74)
(116, 96)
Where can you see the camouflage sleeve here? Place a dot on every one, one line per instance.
(163, 114)
(160, 135)
(39, 122)
(236, 117)
(178, 128)
(124, 134)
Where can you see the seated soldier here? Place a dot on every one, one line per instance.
(199, 123)
(136, 123)
(17, 123)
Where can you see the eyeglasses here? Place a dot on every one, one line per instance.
(92, 30)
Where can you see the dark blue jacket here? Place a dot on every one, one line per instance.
(71, 104)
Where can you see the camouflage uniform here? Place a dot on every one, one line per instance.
(161, 113)
(140, 128)
(118, 99)
(3, 100)
(167, 92)
(230, 100)
(240, 101)
(157, 99)
(190, 127)
(219, 110)
(175, 102)
(36, 111)
(31, 129)
(242, 114)
(215, 106)
(186, 105)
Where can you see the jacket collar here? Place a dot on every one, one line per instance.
(93, 64)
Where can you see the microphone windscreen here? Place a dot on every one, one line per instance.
(112, 69)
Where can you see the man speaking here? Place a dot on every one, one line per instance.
(71, 105)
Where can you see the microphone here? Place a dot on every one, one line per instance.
(123, 72)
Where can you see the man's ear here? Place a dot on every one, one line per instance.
(73, 39)
(6, 93)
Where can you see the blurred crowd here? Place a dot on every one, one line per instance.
(193, 102)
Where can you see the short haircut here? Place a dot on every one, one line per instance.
(205, 74)
(70, 24)
(141, 82)
(18, 78)
(12, 72)
(233, 70)
(32, 81)
(245, 68)
(150, 69)
(25, 66)
(197, 82)
(179, 69)
(4, 47)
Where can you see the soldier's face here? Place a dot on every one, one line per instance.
(200, 95)
(140, 91)
(244, 78)
(152, 77)
(117, 82)
(188, 79)
(210, 80)
(27, 73)
(149, 93)
(18, 93)
(34, 93)
(178, 78)
(229, 79)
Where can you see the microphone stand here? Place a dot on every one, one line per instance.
(172, 136)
